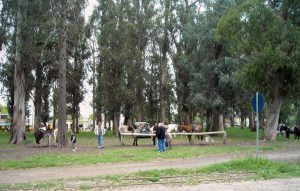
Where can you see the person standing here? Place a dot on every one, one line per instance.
(160, 134)
(73, 141)
(99, 131)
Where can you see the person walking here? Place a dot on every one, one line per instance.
(160, 134)
(73, 141)
(99, 131)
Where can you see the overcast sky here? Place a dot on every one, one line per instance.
(85, 105)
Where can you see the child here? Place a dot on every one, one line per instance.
(73, 141)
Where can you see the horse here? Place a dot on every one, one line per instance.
(41, 134)
(125, 129)
(191, 129)
(283, 129)
(172, 128)
(144, 128)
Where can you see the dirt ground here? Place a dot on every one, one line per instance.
(292, 184)
(41, 174)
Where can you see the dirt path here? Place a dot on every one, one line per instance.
(39, 174)
(291, 184)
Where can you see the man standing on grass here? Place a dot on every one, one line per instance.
(160, 134)
(99, 131)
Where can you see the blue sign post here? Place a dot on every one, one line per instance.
(258, 106)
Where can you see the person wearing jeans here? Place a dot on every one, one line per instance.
(160, 134)
(99, 131)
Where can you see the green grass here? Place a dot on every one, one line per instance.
(57, 157)
(251, 168)
(116, 155)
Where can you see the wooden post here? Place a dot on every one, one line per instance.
(122, 141)
(225, 137)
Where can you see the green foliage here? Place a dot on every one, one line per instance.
(3, 109)
(271, 64)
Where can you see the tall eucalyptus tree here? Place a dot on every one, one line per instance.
(62, 129)
(270, 66)
(18, 128)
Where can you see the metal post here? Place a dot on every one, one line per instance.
(257, 125)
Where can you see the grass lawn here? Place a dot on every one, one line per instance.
(28, 155)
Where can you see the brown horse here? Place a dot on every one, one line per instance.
(191, 129)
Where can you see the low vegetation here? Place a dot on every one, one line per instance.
(236, 170)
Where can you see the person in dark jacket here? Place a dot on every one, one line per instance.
(160, 134)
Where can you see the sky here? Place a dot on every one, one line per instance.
(85, 105)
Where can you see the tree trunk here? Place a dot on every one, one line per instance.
(163, 80)
(62, 131)
(77, 120)
(231, 121)
(18, 129)
(251, 121)
(54, 103)
(270, 132)
(116, 124)
(217, 121)
(38, 97)
(298, 118)
(242, 120)
(105, 119)
(186, 117)
(94, 86)
(140, 105)
(208, 120)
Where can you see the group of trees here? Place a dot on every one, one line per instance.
(149, 58)
(46, 52)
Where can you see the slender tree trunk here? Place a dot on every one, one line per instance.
(77, 120)
(73, 126)
(270, 132)
(94, 85)
(242, 120)
(18, 128)
(127, 114)
(251, 121)
(54, 103)
(116, 123)
(165, 47)
(62, 131)
(231, 121)
(105, 119)
(38, 97)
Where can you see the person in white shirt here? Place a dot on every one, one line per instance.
(100, 131)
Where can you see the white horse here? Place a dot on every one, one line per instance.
(172, 128)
